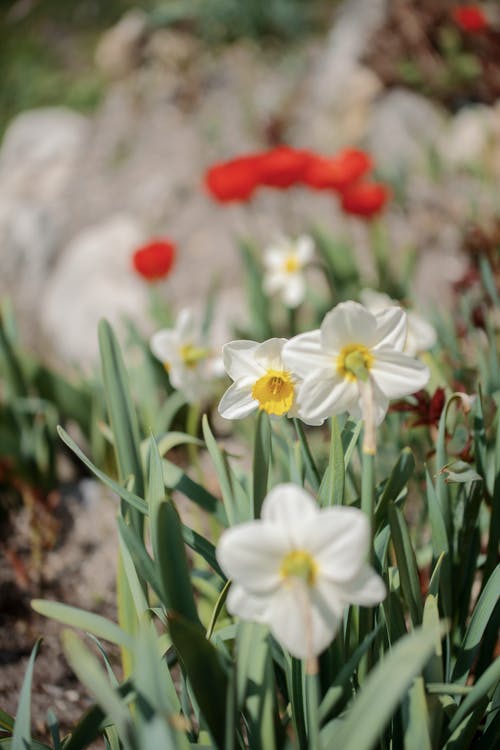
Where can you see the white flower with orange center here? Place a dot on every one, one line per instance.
(353, 355)
(190, 365)
(420, 335)
(261, 382)
(298, 568)
(284, 263)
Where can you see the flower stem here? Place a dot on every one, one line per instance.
(312, 704)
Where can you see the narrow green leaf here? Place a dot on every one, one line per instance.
(207, 677)
(258, 302)
(416, 718)
(297, 698)
(383, 690)
(79, 618)
(172, 563)
(92, 722)
(88, 670)
(203, 547)
(21, 737)
(480, 617)
(331, 490)
(312, 472)
(143, 563)
(122, 416)
(6, 721)
(130, 497)
(222, 470)
(137, 590)
(176, 479)
(173, 439)
(405, 556)
(395, 484)
(219, 604)
(261, 461)
(486, 683)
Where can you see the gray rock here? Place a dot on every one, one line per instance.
(402, 129)
(94, 279)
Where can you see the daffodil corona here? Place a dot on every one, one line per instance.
(298, 568)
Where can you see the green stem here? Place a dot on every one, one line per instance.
(367, 506)
(292, 321)
(312, 706)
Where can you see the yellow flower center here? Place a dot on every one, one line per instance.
(291, 264)
(354, 362)
(191, 355)
(299, 564)
(275, 392)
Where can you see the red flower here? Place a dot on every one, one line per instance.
(365, 198)
(470, 18)
(283, 166)
(233, 180)
(154, 260)
(427, 409)
(339, 171)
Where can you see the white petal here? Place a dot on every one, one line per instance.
(348, 323)
(273, 282)
(366, 588)
(304, 249)
(239, 360)
(237, 401)
(288, 506)
(338, 539)
(274, 257)
(381, 405)
(421, 335)
(302, 620)
(294, 290)
(398, 375)
(391, 329)
(303, 354)
(323, 394)
(251, 553)
(375, 301)
(242, 603)
(268, 354)
(164, 345)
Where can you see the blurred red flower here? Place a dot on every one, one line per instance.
(233, 180)
(365, 199)
(154, 260)
(427, 409)
(338, 171)
(470, 18)
(283, 166)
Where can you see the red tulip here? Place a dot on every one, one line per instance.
(339, 171)
(365, 199)
(154, 260)
(470, 18)
(234, 180)
(283, 166)
(426, 409)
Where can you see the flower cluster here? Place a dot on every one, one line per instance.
(190, 364)
(282, 167)
(298, 567)
(354, 363)
(154, 260)
(470, 18)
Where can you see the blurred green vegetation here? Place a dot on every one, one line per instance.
(47, 46)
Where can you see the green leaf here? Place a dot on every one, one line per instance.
(172, 563)
(383, 690)
(480, 617)
(486, 683)
(219, 604)
(21, 737)
(331, 490)
(207, 676)
(122, 416)
(79, 618)
(395, 484)
(261, 461)
(405, 556)
(130, 497)
(6, 721)
(143, 563)
(90, 673)
(219, 460)
(176, 479)
(92, 723)
(173, 439)
(258, 302)
(416, 717)
(203, 547)
(312, 472)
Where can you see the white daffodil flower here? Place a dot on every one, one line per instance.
(420, 335)
(260, 380)
(284, 263)
(353, 352)
(191, 366)
(298, 568)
